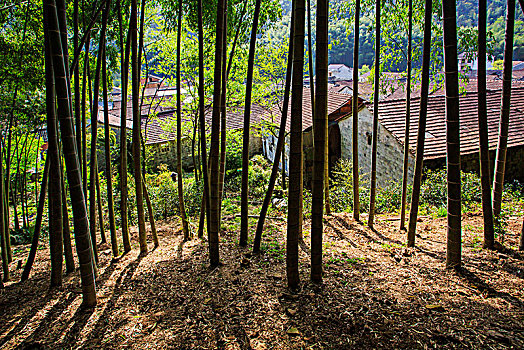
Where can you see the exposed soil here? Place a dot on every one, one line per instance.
(376, 294)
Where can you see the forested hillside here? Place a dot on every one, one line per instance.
(341, 29)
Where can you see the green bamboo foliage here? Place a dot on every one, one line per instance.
(294, 219)
(320, 136)
(214, 214)
(244, 205)
(109, 168)
(454, 244)
(485, 172)
(280, 143)
(408, 121)
(81, 224)
(375, 118)
(356, 201)
(421, 136)
(181, 206)
(502, 146)
(135, 87)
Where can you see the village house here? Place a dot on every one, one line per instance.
(392, 116)
(339, 71)
(159, 131)
(389, 150)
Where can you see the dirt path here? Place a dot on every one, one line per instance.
(376, 294)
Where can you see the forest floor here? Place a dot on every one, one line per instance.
(376, 294)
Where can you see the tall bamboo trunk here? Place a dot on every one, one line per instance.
(109, 168)
(294, 223)
(151, 214)
(76, 70)
(356, 200)
(223, 118)
(521, 243)
(485, 171)
(181, 206)
(454, 244)
(500, 161)
(421, 137)
(124, 73)
(310, 61)
(94, 136)
(202, 121)
(101, 224)
(373, 182)
(244, 204)
(81, 224)
(85, 83)
(279, 152)
(38, 223)
(320, 136)
(214, 214)
(66, 229)
(3, 227)
(408, 122)
(55, 184)
(135, 87)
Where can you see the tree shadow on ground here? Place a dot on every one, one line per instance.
(476, 282)
(172, 299)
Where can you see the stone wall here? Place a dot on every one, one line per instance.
(470, 163)
(390, 153)
(165, 153)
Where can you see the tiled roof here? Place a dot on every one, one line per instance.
(471, 85)
(339, 105)
(157, 128)
(392, 115)
(337, 66)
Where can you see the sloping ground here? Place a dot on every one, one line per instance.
(376, 294)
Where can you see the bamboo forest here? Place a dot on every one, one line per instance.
(262, 174)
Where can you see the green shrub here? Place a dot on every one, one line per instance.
(341, 188)
(163, 192)
(389, 198)
(434, 189)
(258, 177)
